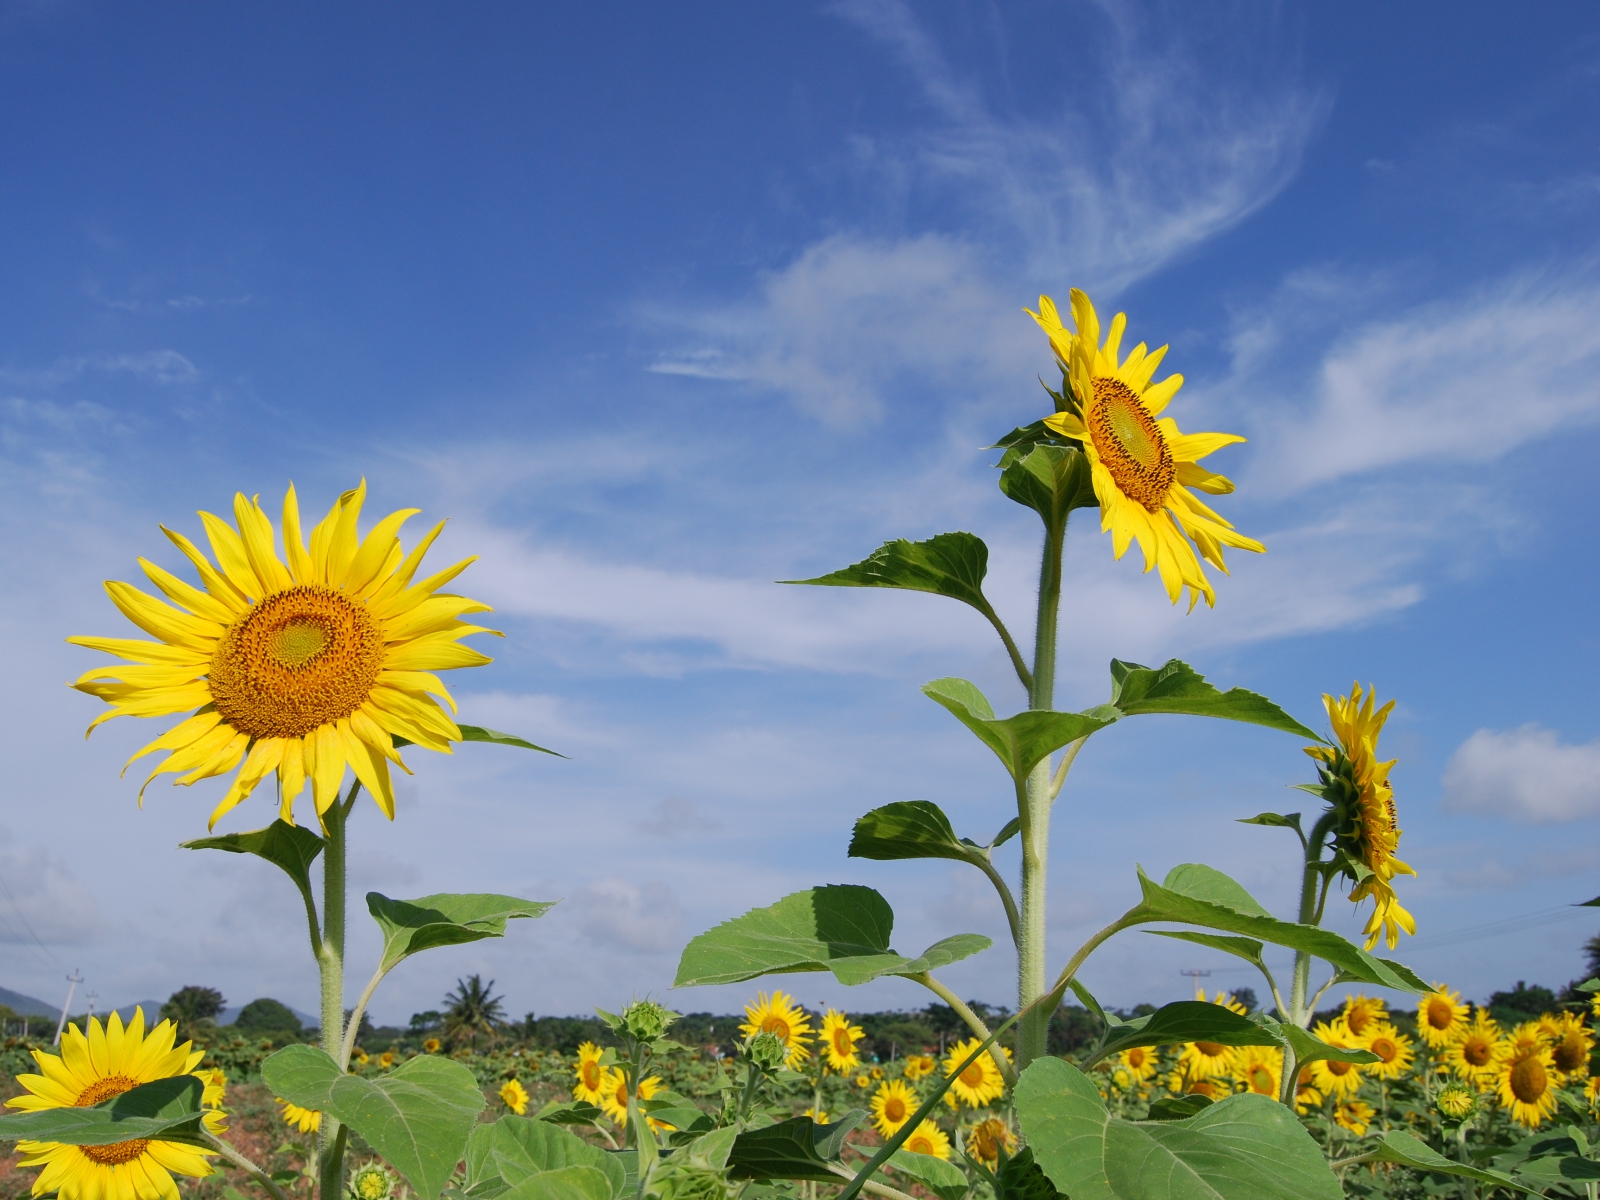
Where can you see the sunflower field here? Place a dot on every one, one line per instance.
(302, 662)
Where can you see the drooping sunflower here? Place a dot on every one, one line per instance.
(1367, 829)
(1141, 1061)
(1441, 1016)
(892, 1106)
(928, 1139)
(300, 668)
(1359, 1010)
(839, 1039)
(981, 1081)
(1393, 1048)
(1478, 1050)
(780, 1016)
(1336, 1079)
(1571, 1045)
(1142, 466)
(514, 1096)
(592, 1077)
(92, 1068)
(1526, 1086)
(1354, 1115)
(306, 1120)
(1259, 1069)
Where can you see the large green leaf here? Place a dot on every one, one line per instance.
(417, 1117)
(446, 919)
(947, 564)
(909, 829)
(1021, 1178)
(1398, 1147)
(520, 1147)
(939, 1177)
(168, 1109)
(477, 733)
(1184, 1021)
(1244, 1148)
(1020, 741)
(843, 928)
(290, 848)
(1052, 480)
(564, 1183)
(1246, 948)
(1194, 894)
(798, 1148)
(1179, 688)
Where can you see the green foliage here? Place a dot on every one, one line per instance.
(1179, 688)
(947, 564)
(1521, 1003)
(445, 919)
(515, 1149)
(841, 928)
(166, 1108)
(192, 1003)
(1397, 1146)
(1049, 478)
(1020, 742)
(939, 1177)
(798, 1148)
(909, 829)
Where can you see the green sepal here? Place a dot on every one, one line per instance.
(1021, 741)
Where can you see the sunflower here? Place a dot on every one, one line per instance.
(615, 1099)
(1527, 1038)
(1571, 1046)
(1478, 1050)
(981, 1081)
(1142, 466)
(781, 1016)
(110, 1060)
(1259, 1069)
(1392, 1047)
(990, 1138)
(359, 1057)
(876, 1072)
(371, 1182)
(430, 1046)
(1354, 1115)
(863, 1081)
(1441, 1017)
(1526, 1087)
(1140, 1061)
(919, 1065)
(1456, 1100)
(1306, 1094)
(928, 1139)
(301, 668)
(1209, 1088)
(306, 1120)
(892, 1106)
(216, 1089)
(819, 1115)
(1591, 1092)
(1359, 1010)
(1337, 1079)
(839, 1039)
(592, 1077)
(514, 1096)
(386, 1059)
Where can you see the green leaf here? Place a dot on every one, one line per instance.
(843, 928)
(939, 1177)
(1184, 1021)
(1175, 1108)
(290, 848)
(1207, 905)
(477, 733)
(1007, 831)
(1246, 948)
(1050, 479)
(1020, 741)
(564, 1183)
(1093, 1005)
(798, 1148)
(1020, 1178)
(1595, 903)
(521, 1146)
(1309, 1048)
(1179, 688)
(168, 1109)
(1281, 820)
(1398, 1147)
(417, 1117)
(948, 564)
(569, 1112)
(1548, 1171)
(446, 919)
(1245, 1147)
(909, 829)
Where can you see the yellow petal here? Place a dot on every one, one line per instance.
(375, 550)
(432, 615)
(402, 575)
(370, 767)
(215, 581)
(329, 763)
(342, 539)
(1067, 425)
(436, 652)
(1190, 447)
(180, 735)
(162, 620)
(134, 650)
(222, 761)
(294, 547)
(255, 531)
(1083, 315)
(1193, 475)
(422, 682)
(264, 758)
(291, 777)
(192, 598)
(1157, 396)
(229, 551)
(416, 594)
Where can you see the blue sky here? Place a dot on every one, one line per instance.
(662, 303)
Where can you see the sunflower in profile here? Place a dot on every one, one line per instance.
(1526, 1086)
(990, 1139)
(1354, 1115)
(1331, 1078)
(1367, 829)
(1259, 1069)
(785, 1019)
(928, 1139)
(514, 1096)
(1360, 1010)
(1143, 467)
(592, 1077)
(306, 1120)
(299, 668)
(91, 1069)
(892, 1106)
(1393, 1048)
(1441, 1016)
(839, 1039)
(1140, 1061)
(980, 1081)
(1478, 1050)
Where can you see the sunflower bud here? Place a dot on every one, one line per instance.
(647, 1020)
(766, 1050)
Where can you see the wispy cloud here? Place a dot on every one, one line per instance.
(1526, 774)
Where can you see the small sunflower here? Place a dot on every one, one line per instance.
(928, 1139)
(1259, 1069)
(359, 1057)
(1336, 1079)
(785, 1019)
(306, 1120)
(863, 1080)
(216, 1089)
(386, 1059)
(1141, 464)
(514, 1096)
(1360, 1010)
(819, 1115)
(1367, 829)
(1441, 1016)
(876, 1072)
(892, 1106)
(990, 1138)
(1526, 1086)
(110, 1060)
(371, 1182)
(981, 1081)
(1307, 1097)
(1354, 1115)
(1140, 1061)
(430, 1046)
(839, 1039)
(1478, 1051)
(615, 1099)
(1393, 1048)
(592, 1077)
(300, 668)
(1456, 1100)
(1571, 1046)
(918, 1066)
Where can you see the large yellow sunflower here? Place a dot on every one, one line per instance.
(1368, 829)
(1441, 1016)
(839, 1039)
(1142, 466)
(1141, 1061)
(981, 1081)
(1392, 1047)
(989, 1139)
(1571, 1046)
(892, 1106)
(1259, 1069)
(592, 1077)
(780, 1015)
(1478, 1050)
(1527, 1087)
(110, 1060)
(614, 1100)
(299, 668)
(1359, 1011)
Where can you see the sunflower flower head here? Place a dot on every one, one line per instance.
(592, 1076)
(980, 1081)
(1456, 1100)
(839, 1039)
(1527, 1087)
(514, 1096)
(892, 1106)
(1354, 1115)
(1142, 466)
(1441, 1016)
(927, 1138)
(300, 665)
(780, 1016)
(1366, 827)
(990, 1139)
(371, 1182)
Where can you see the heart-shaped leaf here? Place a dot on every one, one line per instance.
(798, 1148)
(947, 564)
(166, 1109)
(290, 848)
(1179, 688)
(909, 829)
(417, 1117)
(1050, 479)
(446, 919)
(1021, 741)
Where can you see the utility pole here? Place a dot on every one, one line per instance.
(73, 981)
(1197, 976)
(91, 998)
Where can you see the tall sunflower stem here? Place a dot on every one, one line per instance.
(1312, 887)
(330, 964)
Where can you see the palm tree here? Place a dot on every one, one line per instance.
(471, 1010)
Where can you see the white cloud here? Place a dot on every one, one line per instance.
(1526, 774)
(41, 901)
(630, 916)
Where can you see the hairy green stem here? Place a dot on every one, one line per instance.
(244, 1164)
(985, 864)
(1310, 913)
(973, 1020)
(330, 964)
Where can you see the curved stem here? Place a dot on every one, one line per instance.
(353, 1026)
(986, 865)
(1129, 918)
(245, 1165)
(973, 1020)
(1310, 914)
(1021, 668)
(1033, 805)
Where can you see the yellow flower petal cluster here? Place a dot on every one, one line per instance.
(917, 1066)
(300, 667)
(1393, 1048)
(892, 1106)
(839, 1039)
(988, 1139)
(614, 1100)
(1527, 1086)
(592, 1077)
(1354, 1115)
(514, 1096)
(1140, 1061)
(1259, 1069)
(1478, 1051)
(1336, 1079)
(980, 1082)
(1441, 1016)
(306, 1120)
(111, 1059)
(1142, 466)
(927, 1138)
(780, 1015)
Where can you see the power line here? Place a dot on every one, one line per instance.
(23, 917)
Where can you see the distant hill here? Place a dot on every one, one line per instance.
(26, 1006)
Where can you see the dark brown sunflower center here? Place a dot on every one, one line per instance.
(116, 1153)
(778, 1026)
(98, 1092)
(841, 1042)
(1130, 444)
(301, 658)
(1440, 1014)
(1570, 1053)
(894, 1109)
(1211, 1049)
(1385, 1049)
(1477, 1051)
(102, 1090)
(1529, 1082)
